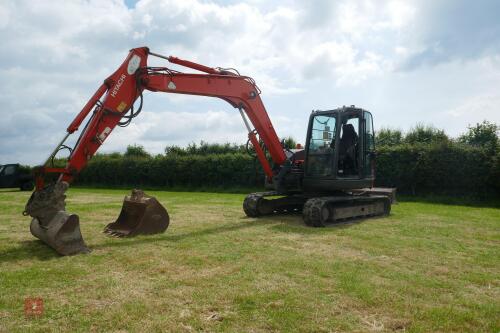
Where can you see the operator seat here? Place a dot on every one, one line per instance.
(348, 150)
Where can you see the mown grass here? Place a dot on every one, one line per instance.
(427, 267)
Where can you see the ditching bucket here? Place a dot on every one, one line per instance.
(52, 224)
(141, 214)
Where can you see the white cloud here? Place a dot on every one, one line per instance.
(476, 107)
(386, 56)
(401, 13)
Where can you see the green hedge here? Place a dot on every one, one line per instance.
(174, 171)
(450, 169)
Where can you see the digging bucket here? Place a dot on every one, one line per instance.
(52, 224)
(141, 214)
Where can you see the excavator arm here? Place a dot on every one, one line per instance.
(113, 105)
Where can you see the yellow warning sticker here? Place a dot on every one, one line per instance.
(122, 106)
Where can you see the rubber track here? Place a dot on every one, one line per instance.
(312, 212)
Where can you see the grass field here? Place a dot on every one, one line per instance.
(427, 267)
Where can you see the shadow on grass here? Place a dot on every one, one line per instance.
(8, 190)
(28, 250)
(289, 223)
(168, 238)
(37, 249)
(300, 228)
(450, 201)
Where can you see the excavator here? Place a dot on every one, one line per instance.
(329, 180)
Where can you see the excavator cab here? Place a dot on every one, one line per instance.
(340, 150)
(336, 172)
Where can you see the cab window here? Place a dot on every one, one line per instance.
(321, 145)
(9, 170)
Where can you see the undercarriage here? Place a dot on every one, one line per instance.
(320, 210)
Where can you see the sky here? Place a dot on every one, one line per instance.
(434, 62)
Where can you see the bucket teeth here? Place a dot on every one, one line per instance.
(141, 214)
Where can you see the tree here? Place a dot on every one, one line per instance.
(174, 150)
(389, 137)
(483, 134)
(136, 151)
(426, 134)
(289, 143)
(205, 148)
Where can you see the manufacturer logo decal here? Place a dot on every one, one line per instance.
(133, 64)
(171, 85)
(118, 85)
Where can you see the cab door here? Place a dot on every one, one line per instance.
(350, 146)
(321, 146)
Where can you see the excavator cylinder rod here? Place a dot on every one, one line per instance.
(87, 108)
(193, 65)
